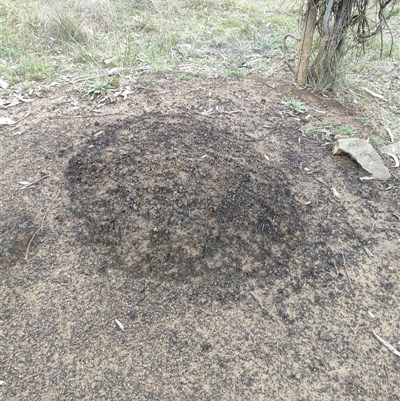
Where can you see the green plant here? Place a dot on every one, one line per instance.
(100, 87)
(376, 141)
(365, 121)
(184, 77)
(235, 74)
(311, 131)
(345, 130)
(295, 105)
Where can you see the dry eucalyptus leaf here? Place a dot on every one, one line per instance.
(335, 192)
(120, 325)
(3, 84)
(6, 121)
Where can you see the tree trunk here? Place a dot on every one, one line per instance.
(306, 43)
(334, 29)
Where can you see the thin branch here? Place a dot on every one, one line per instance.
(41, 224)
(347, 273)
(36, 181)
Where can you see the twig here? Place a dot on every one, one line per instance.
(337, 271)
(377, 95)
(86, 116)
(347, 273)
(23, 118)
(388, 380)
(34, 182)
(390, 134)
(41, 225)
(337, 274)
(285, 38)
(259, 302)
(386, 344)
(322, 182)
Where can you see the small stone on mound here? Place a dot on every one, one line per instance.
(365, 155)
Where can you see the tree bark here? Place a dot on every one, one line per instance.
(306, 43)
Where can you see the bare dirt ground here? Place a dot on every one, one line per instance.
(201, 217)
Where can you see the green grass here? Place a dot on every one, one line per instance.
(42, 41)
(155, 36)
(100, 87)
(376, 141)
(345, 130)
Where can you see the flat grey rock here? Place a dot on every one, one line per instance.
(364, 154)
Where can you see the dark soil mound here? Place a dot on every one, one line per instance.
(16, 229)
(178, 196)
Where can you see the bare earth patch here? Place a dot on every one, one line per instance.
(201, 217)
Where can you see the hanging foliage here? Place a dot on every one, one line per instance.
(327, 27)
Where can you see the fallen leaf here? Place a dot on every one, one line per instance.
(115, 70)
(386, 344)
(335, 192)
(3, 84)
(6, 121)
(23, 99)
(394, 157)
(121, 326)
(368, 252)
(390, 134)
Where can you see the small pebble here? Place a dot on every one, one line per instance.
(373, 192)
(132, 314)
(325, 337)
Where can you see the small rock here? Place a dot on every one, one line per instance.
(326, 337)
(205, 347)
(132, 314)
(373, 192)
(365, 155)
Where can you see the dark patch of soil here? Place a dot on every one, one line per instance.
(179, 196)
(15, 232)
(202, 218)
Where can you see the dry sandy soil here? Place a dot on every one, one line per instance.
(192, 248)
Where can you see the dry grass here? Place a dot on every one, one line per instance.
(45, 40)
(152, 35)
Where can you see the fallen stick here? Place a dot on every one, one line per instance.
(386, 344)
(34, 182)
(259, 302)
(41, 225)
(347, 273)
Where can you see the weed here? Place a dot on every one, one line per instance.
(148, 35)
(365, 121)
(235, 74)
(311, 131)
(184, 77)
(376, 141)
(345, 130)
(100, 87)
(295, 105)
(157, 36)
(33, 70)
